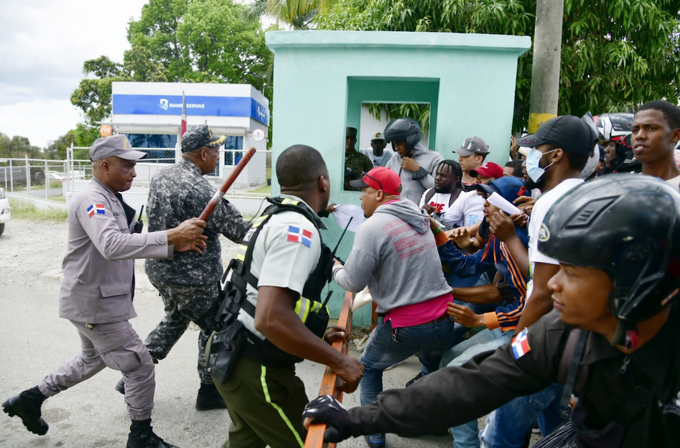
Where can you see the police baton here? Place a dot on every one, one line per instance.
(330, 293)
(219, 194)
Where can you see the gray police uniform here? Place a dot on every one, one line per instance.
(190, 284)
(265, 403)
(96, 295)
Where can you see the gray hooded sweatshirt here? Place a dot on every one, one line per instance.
(414, 183)
(395, 254)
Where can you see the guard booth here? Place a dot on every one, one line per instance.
(149, 113)
(322, 78)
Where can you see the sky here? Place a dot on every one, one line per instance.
(43, 44)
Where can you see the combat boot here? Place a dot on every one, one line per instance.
(209, 398)
(142, 436)
(27, 406)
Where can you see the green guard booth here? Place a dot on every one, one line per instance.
(321, 79)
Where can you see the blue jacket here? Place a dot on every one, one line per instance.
(497, 254)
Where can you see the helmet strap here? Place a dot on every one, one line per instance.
(626, 335)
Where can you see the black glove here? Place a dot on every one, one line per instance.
(328, 410)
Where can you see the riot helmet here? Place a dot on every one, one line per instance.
(626, 225)
(403, 130)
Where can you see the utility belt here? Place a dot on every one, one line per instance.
(231, 339)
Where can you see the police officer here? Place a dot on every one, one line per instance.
(97, 289)
(612, 338)
(356, 163)
(283, 258)
(190, 284)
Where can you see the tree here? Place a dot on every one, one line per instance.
(179, 41)
(56, 149)
(18, 147)
(615, 54)
(295, 14)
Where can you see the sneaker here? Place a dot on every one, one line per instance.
(27, 406)
(535, 429)
(375, 440)
(209, 398)
(415, 378)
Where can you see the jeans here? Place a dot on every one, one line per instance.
(387, 347)
(507, 425)
(459, 330)
(465, 435)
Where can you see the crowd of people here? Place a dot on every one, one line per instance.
(539, 292)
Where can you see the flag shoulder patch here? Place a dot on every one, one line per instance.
(300, 235)
(96, 209)
(520, 344)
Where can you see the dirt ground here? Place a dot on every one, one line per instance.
(35, 341)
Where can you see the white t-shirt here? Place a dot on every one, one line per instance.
(438, 201)
(674, 182)
(467, 210)
(375, 160)
(541, 208)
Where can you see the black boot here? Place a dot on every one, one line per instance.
(142, 436)
(209, 398)
(26, 406)
(120, 386)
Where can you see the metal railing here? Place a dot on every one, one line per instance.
(331, 382)
(36, 178)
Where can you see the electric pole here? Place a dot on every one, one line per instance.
(545, 73)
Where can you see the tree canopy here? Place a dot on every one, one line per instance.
(616, 54)
(180, 41)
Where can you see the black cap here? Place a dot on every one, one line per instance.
(197, 137)
(566, 131)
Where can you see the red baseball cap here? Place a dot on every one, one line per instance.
(489, 169)
(382, 178)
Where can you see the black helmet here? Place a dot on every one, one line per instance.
(403, 130)
(628, 226)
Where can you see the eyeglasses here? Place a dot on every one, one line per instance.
(371, 177)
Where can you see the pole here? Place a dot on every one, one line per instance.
(219, 194)
(545, 74)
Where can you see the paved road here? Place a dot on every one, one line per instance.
(34, 341)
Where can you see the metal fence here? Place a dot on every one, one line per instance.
(56, 180)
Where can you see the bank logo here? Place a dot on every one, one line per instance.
(164, 104)
(261, 113)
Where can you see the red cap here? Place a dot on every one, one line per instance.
(489, 169)
(382, 178)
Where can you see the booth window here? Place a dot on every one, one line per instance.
(233, 149)
(155, 141)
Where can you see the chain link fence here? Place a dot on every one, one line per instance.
(56, 180)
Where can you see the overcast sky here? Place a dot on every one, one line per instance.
(43, 44)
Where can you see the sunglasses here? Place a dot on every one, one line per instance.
(371, 177)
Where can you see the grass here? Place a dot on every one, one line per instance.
(267, 189)
(22, 210)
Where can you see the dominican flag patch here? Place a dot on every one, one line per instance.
(298, 235)
(520, 345)
(96, 208)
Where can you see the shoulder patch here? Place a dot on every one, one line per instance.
(300, 235)
(543, 233)
(520, 344)
(96, 209)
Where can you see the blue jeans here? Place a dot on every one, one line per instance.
(507, 425)
(387, 347)
(466, 435)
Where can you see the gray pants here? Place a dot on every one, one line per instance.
(117, 346)
(183, 304)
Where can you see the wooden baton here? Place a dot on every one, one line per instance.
(219, 194)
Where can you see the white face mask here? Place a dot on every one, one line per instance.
(534, 170)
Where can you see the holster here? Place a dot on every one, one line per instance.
(223, 351)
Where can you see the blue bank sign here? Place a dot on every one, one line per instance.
(218, 106)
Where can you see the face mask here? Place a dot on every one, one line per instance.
(534, 170)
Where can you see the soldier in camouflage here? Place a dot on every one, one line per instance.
(356, 163)
(190, 284)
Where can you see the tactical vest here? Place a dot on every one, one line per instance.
(312, 312)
